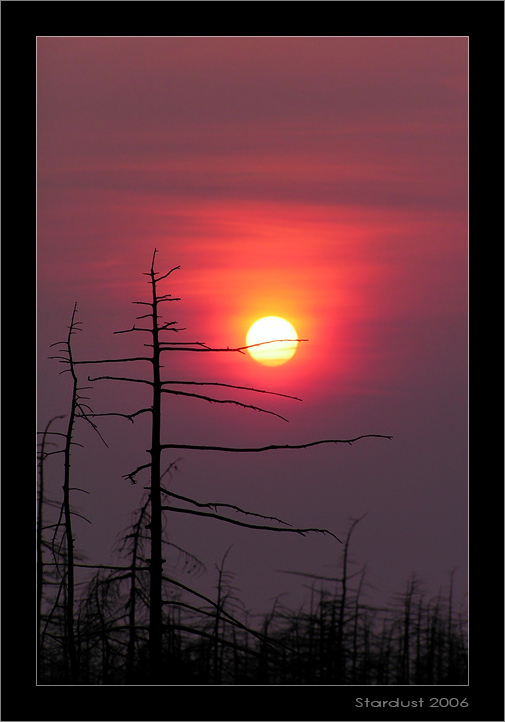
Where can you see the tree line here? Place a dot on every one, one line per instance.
(337, 637)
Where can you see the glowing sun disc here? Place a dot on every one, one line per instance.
(276, 330)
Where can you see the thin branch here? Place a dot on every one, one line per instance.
(132, 474)
(222, 401)
(318, 576)
(53, 433)
(222, 640)
(272, 446)
(45, 454)
(75, 513)
(114, 360)
(216, 505)
(133, 328)
(85, 415)
(222, 611)
(167, 346)
(302, 532)
(120, 378)
(176, 268)
(230, 386)
(108, 566)
(130, 417)
(183, 343)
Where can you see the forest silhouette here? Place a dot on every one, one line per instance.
(138, 623)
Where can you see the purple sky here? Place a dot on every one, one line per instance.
(322, 179)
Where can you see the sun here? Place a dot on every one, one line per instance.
(280, 333)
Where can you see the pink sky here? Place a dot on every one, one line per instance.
(323, 179)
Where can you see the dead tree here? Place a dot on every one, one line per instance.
(343, 600)
(63, 551)
(41, 542)
(156, 329)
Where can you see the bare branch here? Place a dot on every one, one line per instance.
(86, 416)
(45, 454)
(120, 378)
(222, 401)
(216, 505)
(168, 346)
(184, 343)
(273, 446)
(177, 268)
(55, 433)
(133, 328)
(130, 417)
(222, 611)
(132, 474)
(319, 576)
(302, 532)
(114, 360)
(230, 386)
(75, 513)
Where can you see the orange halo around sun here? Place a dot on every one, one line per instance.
(280, 333)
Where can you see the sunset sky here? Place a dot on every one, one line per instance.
(320, 179)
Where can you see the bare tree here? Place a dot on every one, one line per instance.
(41, 542)
(63, 550)
(156, 329)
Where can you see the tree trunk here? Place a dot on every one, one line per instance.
(156, 562)
(70, 585)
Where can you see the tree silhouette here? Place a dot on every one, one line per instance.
(42, 544)
(62, 545)
(160, 499)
